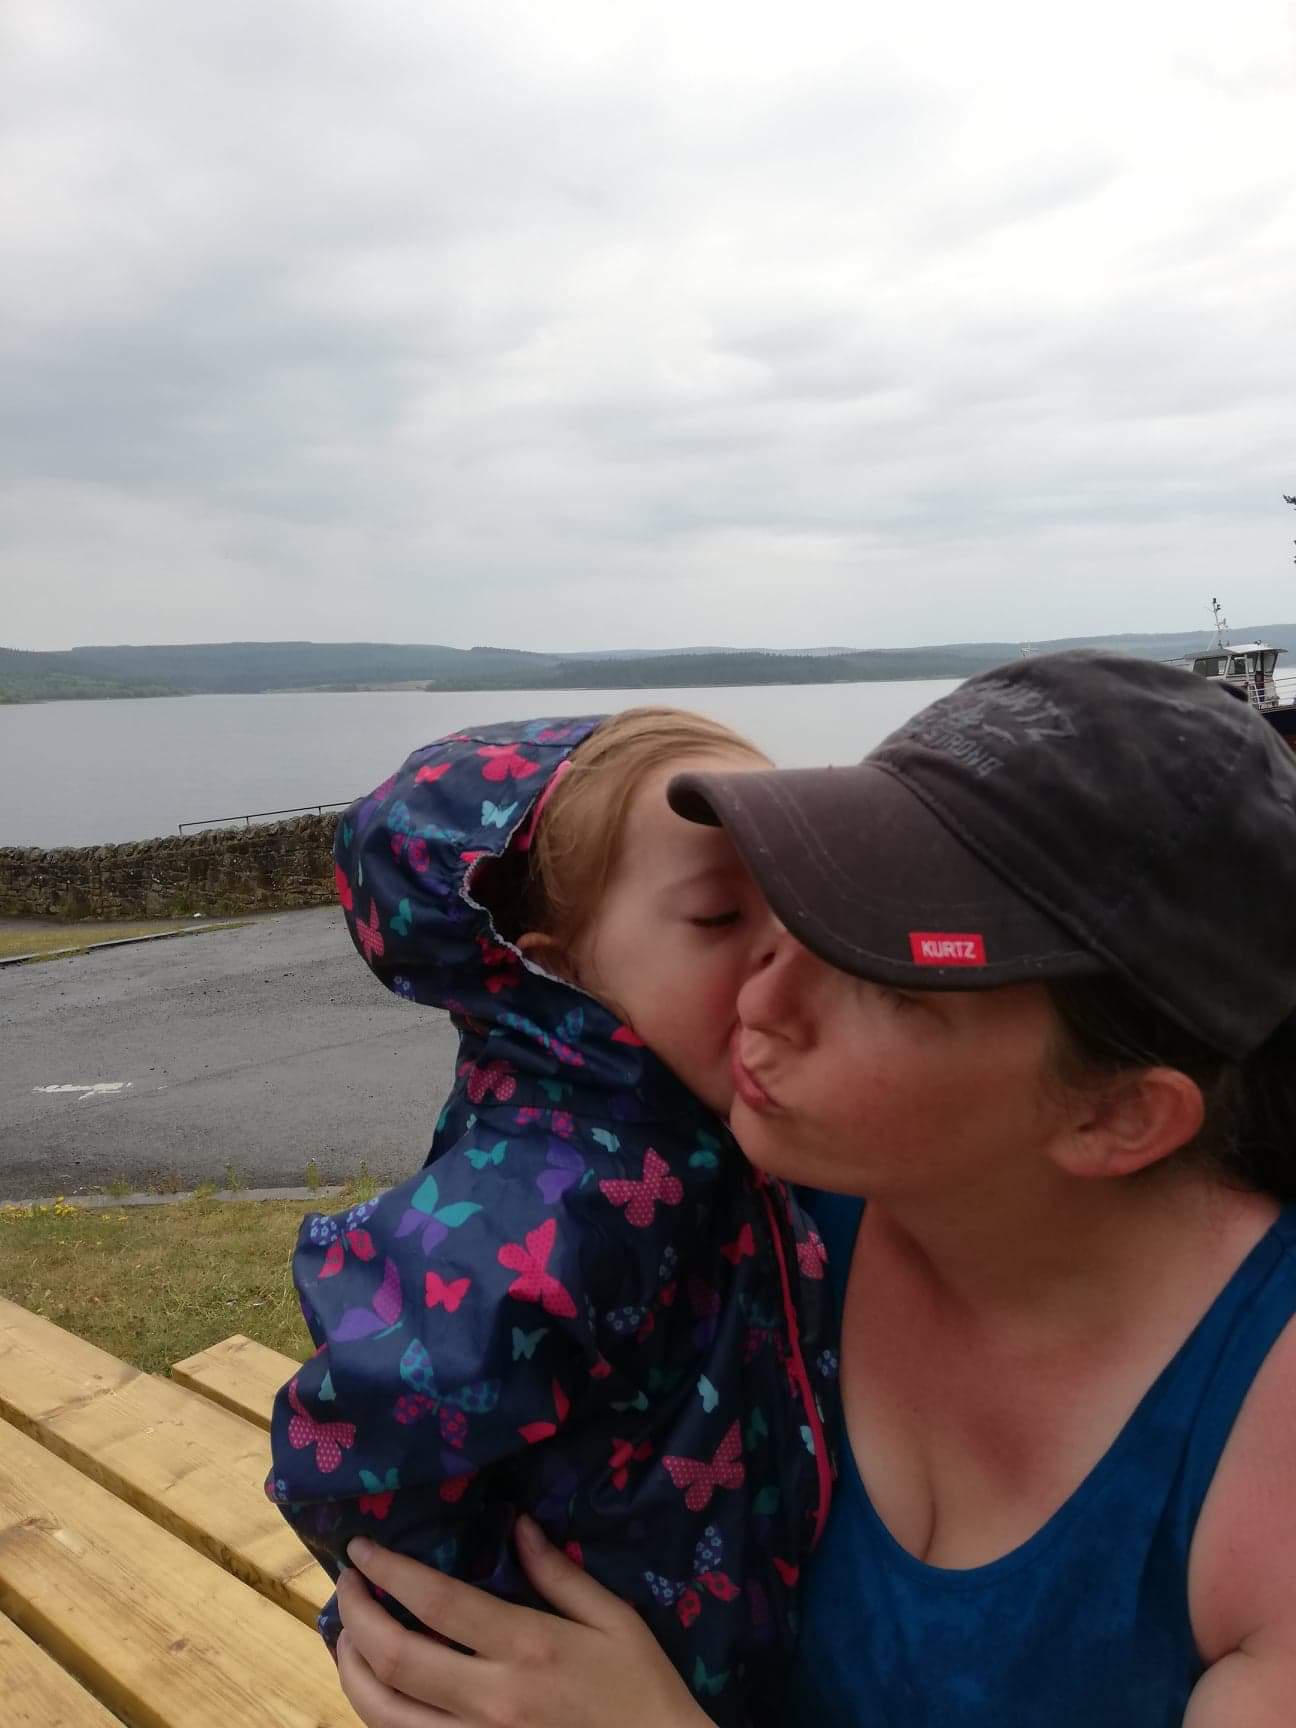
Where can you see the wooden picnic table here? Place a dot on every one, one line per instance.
(145, 1579)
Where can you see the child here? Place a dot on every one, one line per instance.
(587, 1305)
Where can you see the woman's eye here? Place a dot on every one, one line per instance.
(718, 921)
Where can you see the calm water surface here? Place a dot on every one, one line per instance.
(79, 773)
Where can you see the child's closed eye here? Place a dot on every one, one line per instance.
(718, 920)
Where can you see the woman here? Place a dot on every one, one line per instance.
(1037, 1002)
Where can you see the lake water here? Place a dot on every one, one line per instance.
(81, 773)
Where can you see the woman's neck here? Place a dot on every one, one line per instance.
(1069, 1257)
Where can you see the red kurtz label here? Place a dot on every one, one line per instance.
(947, 948)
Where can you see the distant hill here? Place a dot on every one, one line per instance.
(251, 667)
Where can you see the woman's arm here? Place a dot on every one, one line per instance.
(1242, 1568)
(530, 1668)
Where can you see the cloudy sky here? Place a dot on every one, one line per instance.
(587, 324)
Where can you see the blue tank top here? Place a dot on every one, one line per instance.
(1087, 1622)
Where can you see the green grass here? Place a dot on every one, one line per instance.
(154, 1284)
(27, 937)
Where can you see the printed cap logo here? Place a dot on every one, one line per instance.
(946, 948)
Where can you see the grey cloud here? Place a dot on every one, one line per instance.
(387, 318)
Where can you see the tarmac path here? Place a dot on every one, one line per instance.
(253, 1050)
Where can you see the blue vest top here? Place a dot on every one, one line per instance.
(1085, 1623)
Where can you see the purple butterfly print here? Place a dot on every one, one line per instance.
(426, 1213)
(371, 803)
(382, 1316)
(564, 1167)
(325, 1227)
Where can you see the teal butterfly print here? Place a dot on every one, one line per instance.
(402, 920)
(524, 1343)
(479, 1157)
(496, 815)
(708, 1685)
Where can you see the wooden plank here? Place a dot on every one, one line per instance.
(36, 1693)
(159, 1633)
(185, 1462)
(240, 1374)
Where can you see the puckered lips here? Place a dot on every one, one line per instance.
(746, 1085)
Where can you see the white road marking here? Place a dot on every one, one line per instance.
(90, 1089)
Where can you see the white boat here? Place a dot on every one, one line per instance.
(1249, 670)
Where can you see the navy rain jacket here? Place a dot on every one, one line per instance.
(587, 1305)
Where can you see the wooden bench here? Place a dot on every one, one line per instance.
(144, 1577)
(238, 1373)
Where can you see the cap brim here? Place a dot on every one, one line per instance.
(871, 880)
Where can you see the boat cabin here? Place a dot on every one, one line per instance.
(1246, 667)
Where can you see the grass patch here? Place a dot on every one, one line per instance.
(154, 1284)
(29, 936)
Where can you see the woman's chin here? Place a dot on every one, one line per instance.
(760, 1142)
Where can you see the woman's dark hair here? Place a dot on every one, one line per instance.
(1248, 1134)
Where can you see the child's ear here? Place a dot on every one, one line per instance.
(545, 951)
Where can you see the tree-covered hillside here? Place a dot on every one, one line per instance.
(249, 667)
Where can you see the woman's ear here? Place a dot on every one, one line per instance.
(1130, 1123)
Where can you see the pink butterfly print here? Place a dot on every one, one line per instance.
(563, 1166)
(640, 1198)
(494, 1077)
(535, 1284)
(361, 1245)
(343, 888)
(330, 1439)
(442, 1295)
(786, 1571)
(624, 1035)
(503, 762)
(812, 1256)
(625, 1453)
(699, 1480)
(534, 1432)
(743, 1247)
(382, 1316)
(429, 776)
(501, 966)
(369, 935)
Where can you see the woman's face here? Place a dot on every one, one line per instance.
(861, 1089)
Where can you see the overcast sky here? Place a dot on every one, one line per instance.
(602, 324)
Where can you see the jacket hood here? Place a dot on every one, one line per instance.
(415, 863)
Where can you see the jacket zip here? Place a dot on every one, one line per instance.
(799, 1372)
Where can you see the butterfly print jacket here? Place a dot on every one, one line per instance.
(586, 1305)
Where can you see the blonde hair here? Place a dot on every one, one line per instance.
(579, 835)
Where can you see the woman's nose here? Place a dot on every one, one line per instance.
(773, 999)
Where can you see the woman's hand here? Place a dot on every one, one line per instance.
(598, 1663)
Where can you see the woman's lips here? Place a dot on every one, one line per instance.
(746, 1085)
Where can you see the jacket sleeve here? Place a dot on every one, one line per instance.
(454, 1324)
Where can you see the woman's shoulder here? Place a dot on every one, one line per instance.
(1242, 1570)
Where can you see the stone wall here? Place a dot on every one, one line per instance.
(221, 870)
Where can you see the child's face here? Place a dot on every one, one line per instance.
(680, 929)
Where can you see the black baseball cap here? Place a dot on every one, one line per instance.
(1061, 816)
